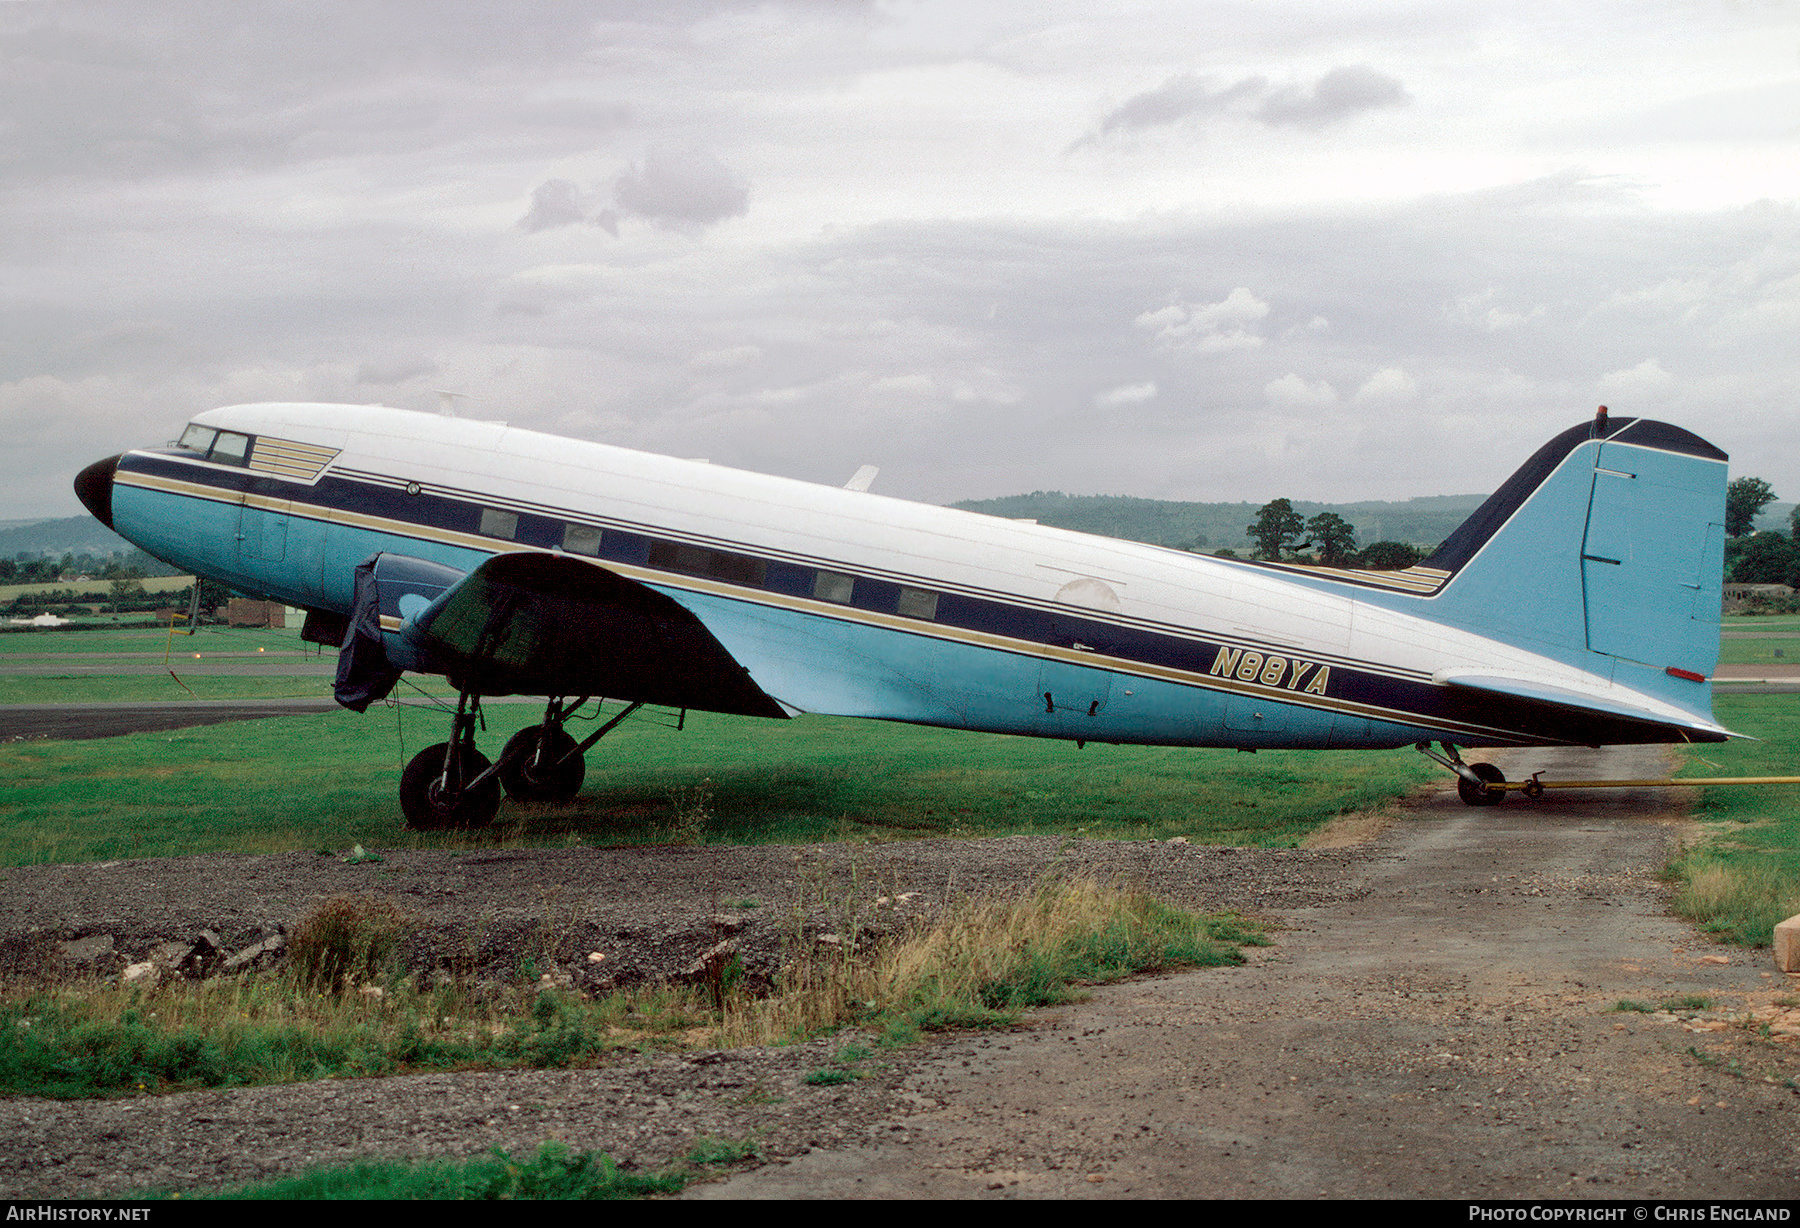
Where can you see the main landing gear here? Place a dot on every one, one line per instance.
(1474, 781)
(453, 784)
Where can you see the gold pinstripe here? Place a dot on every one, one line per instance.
(805, 605)
(289, 458)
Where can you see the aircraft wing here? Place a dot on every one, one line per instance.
(545, 624)
(1532, 690)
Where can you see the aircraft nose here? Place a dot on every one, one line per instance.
(93, 486)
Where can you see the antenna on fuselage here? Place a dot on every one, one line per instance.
(447, 401)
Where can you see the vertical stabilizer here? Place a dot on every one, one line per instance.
(1604, 550)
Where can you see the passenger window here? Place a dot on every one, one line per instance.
(737, 569)
(917, 603)
(496, 523)
(676, 556)
(230, 448)
(581, 539)
(832, 587)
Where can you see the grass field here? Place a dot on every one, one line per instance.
(1776, 642)
(145, 639)
(1745, 875)
(92, 588)
(330, 781)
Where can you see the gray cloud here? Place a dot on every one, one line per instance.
(555, 202)
(1339, 94)
(1178, 98)
(682, 190)
(395, 371)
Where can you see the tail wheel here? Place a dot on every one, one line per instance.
(434, 799)
(1480, 794)
(551, 774)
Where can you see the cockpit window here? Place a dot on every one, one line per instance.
(197, 438)
(220, 447)
(230, 448)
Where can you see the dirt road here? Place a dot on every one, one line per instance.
(1449, 1034)
(1436, 1019)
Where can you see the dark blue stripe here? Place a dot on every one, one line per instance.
(1413, 701)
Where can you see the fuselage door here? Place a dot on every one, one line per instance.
(262, 527)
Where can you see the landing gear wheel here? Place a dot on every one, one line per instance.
(433, 800)
(1480, 795)
(546, 780)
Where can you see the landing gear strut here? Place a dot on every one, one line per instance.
(453, 785)
(1473, 780)
(541, 763)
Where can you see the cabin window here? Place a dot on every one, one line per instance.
(581, 539)
(830, 586)
(917, 603)
(716, 564)
(496, 523)
(737, 569)
(674, 556)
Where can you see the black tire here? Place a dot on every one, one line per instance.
(431, 803)
(549, 780)
(1480, 795)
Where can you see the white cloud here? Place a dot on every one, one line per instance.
(1388, 386)
(1644, 382)
(1207, 327)
(1479, 311)
(1126, 394)
(906, 385)
(725, 359)
(1293, 392)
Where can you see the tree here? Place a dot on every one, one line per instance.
(1391, 556)
(1767, 558)
(1277, 527)
(1333, 537)
(1744, 499)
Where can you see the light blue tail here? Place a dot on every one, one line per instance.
(1604, 550)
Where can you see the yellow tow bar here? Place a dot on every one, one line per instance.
(1535, 787)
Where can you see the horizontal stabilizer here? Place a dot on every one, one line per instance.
(1586, 702)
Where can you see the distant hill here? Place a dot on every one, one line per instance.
(71, 535)
(1422, 522)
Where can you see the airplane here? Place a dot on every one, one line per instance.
(1578, 605)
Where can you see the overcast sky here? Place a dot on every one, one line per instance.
(1187, 250)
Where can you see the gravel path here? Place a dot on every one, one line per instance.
(1434, 1020)
(650, 912)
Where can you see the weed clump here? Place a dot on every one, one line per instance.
(1740, 898)
(981, 964)
(344, 941)
(554, 1172)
